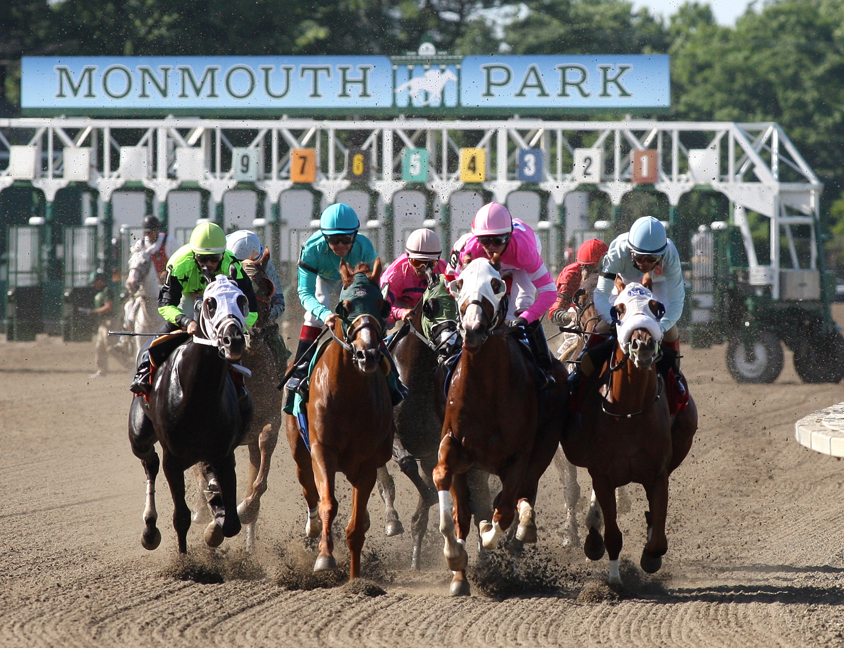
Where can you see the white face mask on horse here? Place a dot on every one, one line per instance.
(223, 303)
(479, 282)
(635, 308)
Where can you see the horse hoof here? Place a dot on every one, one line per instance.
(650, 564)
(394, 528)
(150, 539)
(231, 529)
(526, 533)
(484, 526)
(214, 535)
(247, 514)
(594, 545)
(459, 588)
(459, 560)
(325, 563)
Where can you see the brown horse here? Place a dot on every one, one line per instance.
(349, 413)
(262, 434)
(493, 420)
(628, 434)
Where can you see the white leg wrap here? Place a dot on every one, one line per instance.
(615, 576)
(446, 509)
(313, 527)
(491, 537)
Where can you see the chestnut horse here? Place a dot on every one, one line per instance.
(262, 434)
(194, 411)
(493, 420)
(349, 413)
(628, 434)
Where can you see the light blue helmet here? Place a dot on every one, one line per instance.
(647, 236)
(339, 219)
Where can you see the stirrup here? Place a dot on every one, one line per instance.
(140, 385)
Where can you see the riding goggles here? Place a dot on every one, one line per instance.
(339, 239)
(646, 258)
(418, 263)
(208, 258)
(497, 240)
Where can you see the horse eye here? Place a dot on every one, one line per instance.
(243, 305)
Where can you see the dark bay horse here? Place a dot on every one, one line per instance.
(262, 433)
(194, 412)
(628, 434)
(350, 415)
(431, 331)
(493, 421)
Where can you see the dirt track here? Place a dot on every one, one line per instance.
(756, 556)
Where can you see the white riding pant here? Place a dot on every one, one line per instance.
(327, 293)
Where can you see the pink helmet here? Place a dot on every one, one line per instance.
(424, 244)
(491, 219)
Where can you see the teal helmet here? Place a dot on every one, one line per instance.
(647, 236)
(339, 219)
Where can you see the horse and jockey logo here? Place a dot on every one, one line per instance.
(433, 83)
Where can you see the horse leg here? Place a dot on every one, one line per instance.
(480, 499)
(142, 439)
(419, 522)
(174, 470)
(326, 469)
(409, 466)
(260, 454)
(447, 464)
(571, 495)
(612, 534)
(305, 475)
(463, 518)
(657, 545)
(593, 547)
(387, 489)
(359, 522)
(201, 513)
(227, 478)
(508, 502)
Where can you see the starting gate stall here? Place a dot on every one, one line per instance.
(25, 290)
(80, 260)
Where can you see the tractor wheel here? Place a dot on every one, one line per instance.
(820, 360)
(762, 365)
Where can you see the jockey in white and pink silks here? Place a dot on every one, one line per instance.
(530, 285)
(407, 278)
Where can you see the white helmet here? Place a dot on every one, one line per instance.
(244, 245)
(424, 244)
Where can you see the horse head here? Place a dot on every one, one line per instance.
(639, 331)
(439, 316)
(481, 305)
(363, 312)
(139, 266)
(223, 315)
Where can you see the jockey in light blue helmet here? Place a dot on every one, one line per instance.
(339, 219)
(647, 236)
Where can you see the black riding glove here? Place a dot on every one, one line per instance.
(518, 322)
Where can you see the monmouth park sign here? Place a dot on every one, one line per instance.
(315, 86)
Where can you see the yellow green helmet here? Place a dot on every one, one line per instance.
(208, 238)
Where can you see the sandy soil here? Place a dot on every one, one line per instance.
(755, 555)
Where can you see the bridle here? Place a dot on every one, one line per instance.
(494, 321)
(360, 323)
(611, 372)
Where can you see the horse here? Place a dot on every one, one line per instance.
(141, 310)
(195, 413)
(433, 83)
(431, 329)
(349, 415)
(584, 318)
(262, 433)
(628, 433)
(493, 420)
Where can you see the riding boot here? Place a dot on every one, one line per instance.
(297, 382)
(594, 356)
(667, 361)
(140, 383)
(542, 355)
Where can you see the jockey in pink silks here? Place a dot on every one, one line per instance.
(532, 288)
(407, 277)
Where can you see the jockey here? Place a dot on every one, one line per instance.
(319, 278)
(245, 244)
(188, 272)
(407, 278)
(645, 249)
(589, 255)
(161, 245)
(494, 230)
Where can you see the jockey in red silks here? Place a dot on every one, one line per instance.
(494, 230)
(407, 278)
(589, 255)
